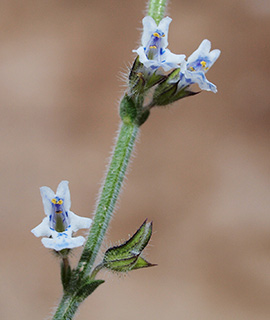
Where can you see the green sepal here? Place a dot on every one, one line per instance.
(87, 288)
(143, 117)
(166, 89)
(126, 256)
(136, 78)
(141, 263)
(137, 65)
(182, 94)
(154, 79)
(140, 81)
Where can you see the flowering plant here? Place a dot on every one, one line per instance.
(157, 77)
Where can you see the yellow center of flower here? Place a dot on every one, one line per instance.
(57, 202)
(155, 34)
(203, 64)
(54, 201)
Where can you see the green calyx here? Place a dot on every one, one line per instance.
(159, 89)
(141, 81)
(167, 91)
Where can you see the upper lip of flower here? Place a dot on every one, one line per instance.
(154, 53)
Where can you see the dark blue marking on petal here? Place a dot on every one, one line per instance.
(162, 51)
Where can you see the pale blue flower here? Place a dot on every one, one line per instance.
(59, 223)
(154, 53)
(193, 70)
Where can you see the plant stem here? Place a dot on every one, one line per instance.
(66, 308)
(110, 191)
(156, 9)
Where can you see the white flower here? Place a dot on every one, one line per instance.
(60, 222)
(193, 70)
(153, 53)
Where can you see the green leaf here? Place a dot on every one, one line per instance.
(126, 256)
(143, 117)
(87, 288)
(133, 246)
(122, 265)
(128, 110)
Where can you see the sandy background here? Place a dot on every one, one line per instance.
(201, 171)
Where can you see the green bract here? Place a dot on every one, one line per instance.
(126, 257)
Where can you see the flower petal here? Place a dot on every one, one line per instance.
(203, 50)
(200, 78)
(149, 27)
(78, 222)
(213, 55)
(164, 27)
(62, 242)
(47, 195)
(141, 53)
(173, 58)
(43, 229)
(64, 193)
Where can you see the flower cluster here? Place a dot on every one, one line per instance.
(153, 54)
(60, 223)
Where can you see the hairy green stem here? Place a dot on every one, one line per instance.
(66, 309)
(110, 191)
(156, 9)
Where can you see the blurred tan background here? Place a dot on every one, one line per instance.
(201, 172)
